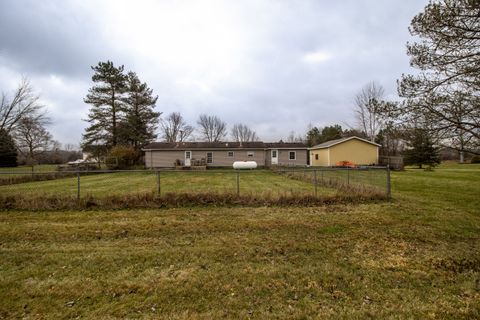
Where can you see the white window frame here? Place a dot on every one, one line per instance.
(294, 155)
(250, 154)
(230, 156)
(211, 157)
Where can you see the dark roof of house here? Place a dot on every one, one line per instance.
(221, 145)
(337, 141)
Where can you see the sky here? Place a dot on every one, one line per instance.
(275, 65)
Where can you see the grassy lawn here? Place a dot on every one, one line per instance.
(36, 168)
(258, 182)
(417, 257)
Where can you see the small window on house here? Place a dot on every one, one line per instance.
(250, 154)
(230, 154)
(292, 155)
(209, 157)
(316, 156)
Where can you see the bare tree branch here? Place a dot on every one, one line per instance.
(368, 109)
(242, 133)
(212, 128)
(174, 128)
(24, 103)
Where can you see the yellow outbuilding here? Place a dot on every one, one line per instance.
(352, 149)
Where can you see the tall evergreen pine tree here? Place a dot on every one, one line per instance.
(8, 152)
(107, 106)
(421, 149)
(138, 127)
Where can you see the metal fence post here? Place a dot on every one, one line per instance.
(159, 190)
(78, 185)
(238, 183)
(348, 175)
(315, 181)
(389, 190)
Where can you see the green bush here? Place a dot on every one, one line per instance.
(475, 159)
(121, 157)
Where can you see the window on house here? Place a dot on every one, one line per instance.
(250, 154)
(292, 155)
(209, 157)
(230, 154)
(316, 156)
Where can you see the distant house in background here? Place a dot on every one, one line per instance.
(224, 154)
(352, 149)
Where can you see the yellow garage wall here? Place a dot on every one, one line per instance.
(355, 151)
(322, 157)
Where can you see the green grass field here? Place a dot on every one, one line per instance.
(256, 182)
(416, 257)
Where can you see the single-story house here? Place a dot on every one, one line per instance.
(224, 154)
(352, 149)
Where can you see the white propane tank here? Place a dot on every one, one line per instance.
(245, 165)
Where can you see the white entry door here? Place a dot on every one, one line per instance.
(274, 156)
(188, 157)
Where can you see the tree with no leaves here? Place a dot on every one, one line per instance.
(369, 109)
(24, 103)
(174, 128)
(212, 128)
(242, 133)
(32, 138)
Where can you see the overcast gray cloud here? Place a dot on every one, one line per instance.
(274, 65)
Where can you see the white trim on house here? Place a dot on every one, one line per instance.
(274, 159)
(188, 160)
(209, 161)
(342, 141)
(294, 155)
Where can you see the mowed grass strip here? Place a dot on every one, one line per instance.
(258, 182)
(417, 256)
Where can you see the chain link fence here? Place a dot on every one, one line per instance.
(255, 183)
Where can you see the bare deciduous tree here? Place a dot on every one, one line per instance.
(292, 137)
(174, 128)
(212, 128)
(368, 109)
(242, 133)
(24, 103)
(32, 138)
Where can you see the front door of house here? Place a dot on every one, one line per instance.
(274, 156)
(188, 158)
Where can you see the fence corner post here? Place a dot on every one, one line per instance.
(315, 181)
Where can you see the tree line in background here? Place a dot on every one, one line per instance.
(439, 106)
(122, 118)
(24, 138)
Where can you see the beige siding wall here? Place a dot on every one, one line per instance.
(165, 158)
(322, 157)
(300, 157)
(268, 158)
(162, 159)
(355, 151)
(221, 158)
